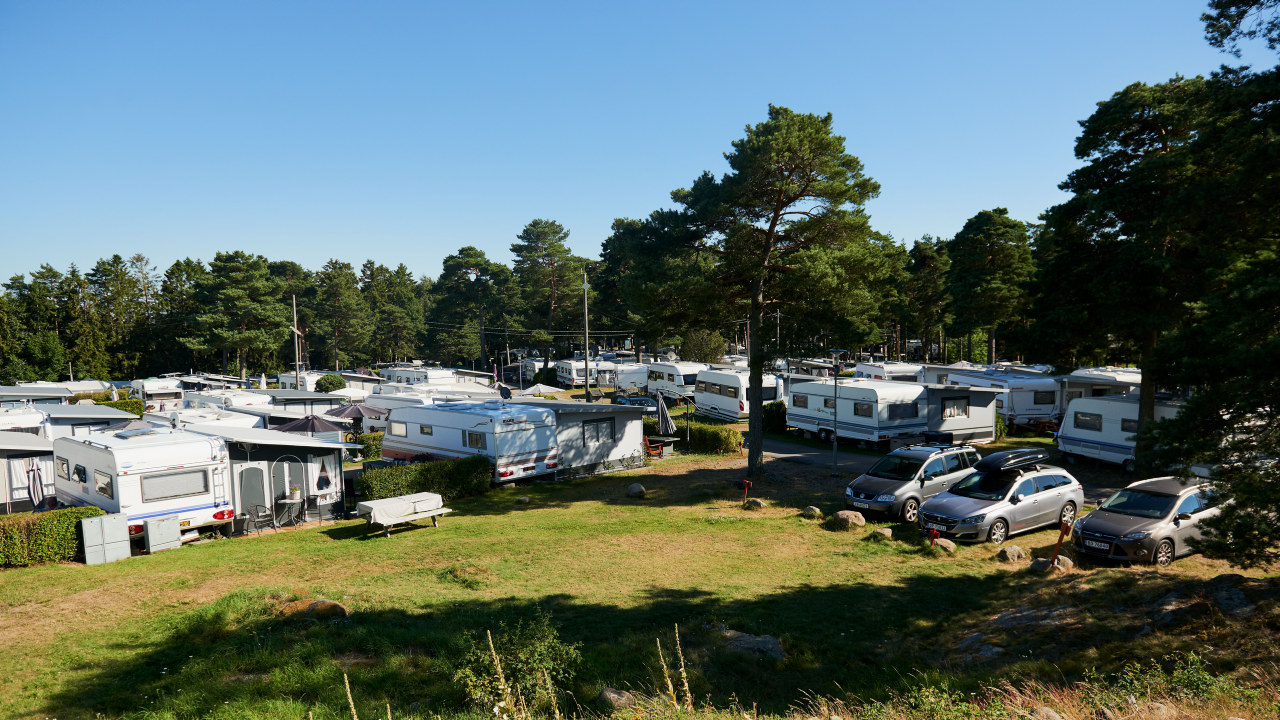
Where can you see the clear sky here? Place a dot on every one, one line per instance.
(401, 131)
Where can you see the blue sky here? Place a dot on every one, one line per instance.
(401, 131)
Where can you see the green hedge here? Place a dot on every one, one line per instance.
(372, 443)
(132, 406)
(452, 479)
(703, 438)
(774, 419)
(35, 538)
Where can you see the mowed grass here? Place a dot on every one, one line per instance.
(198, 632)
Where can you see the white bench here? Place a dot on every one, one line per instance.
(405, 508)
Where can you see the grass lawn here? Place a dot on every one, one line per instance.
(199, 631)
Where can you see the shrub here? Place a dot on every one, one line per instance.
(526, 651)
(1001, 429)
(130, 406)
(35, 538)
(703, 437)
(452, 479)
(372, 443)
(774, 418)
(329, 383)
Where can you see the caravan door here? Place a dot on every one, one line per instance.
(251, 486)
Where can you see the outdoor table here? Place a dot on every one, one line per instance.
(291, 510)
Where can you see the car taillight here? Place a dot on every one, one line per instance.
(552, 466)
(224, 515)
(135, 529)
(506, 473)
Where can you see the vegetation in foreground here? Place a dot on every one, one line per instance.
(582, 571)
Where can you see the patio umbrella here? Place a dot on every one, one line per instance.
(666, 426)
(309, 424)
(356, 410)
(539, 389)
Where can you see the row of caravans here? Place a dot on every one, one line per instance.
(878, 411)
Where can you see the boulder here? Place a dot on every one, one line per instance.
(1160, 711)
(1044, 713)
(753, 504)
(523, 499)
(946, 545)
(616, 699)
(971, 641)
(1042, 565)
(885, 533)
(1232, 601)
(762, 645)
(1106, 714)
(812, 513)
(1065, 563)
(1011, 553)
(315, 607)
(847, 519)
(636, 490)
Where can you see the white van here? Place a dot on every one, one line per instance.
(868, 410)
(1104, 428)
(674, 380)
(146, 473)
(519, 439)
(722, 393)
(1028, 396)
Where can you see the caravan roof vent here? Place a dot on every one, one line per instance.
(126, 434)
(492, 404)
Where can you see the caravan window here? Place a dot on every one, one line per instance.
(828, 402)
(1042, 397)
(671, 377)
(80, 475)
(730, 391)
(398, 429)
(425, 430)
(769, 394)
(1088, 421)
(700, 387)
(103, 485)
(863, 409)
(1129, 426)
(475, 441)
(902, 411)
(655, 375)
(173, 485)
(999, 404)
(690, 379)
(955, 407)
(597, 431)
(60, 467)
(800, 401)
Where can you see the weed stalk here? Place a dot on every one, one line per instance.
(684, 676)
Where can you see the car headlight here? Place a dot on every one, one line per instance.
(1079, 523)
(1139, 535)
(886, 498)
(973, 519)
(848, 491)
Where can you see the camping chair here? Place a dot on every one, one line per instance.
(257, 517)
(652, 449)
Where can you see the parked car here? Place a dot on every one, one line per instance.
(1009, 492)
(1148, 521)
(649, 404)
(906, 477)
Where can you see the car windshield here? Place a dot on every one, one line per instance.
(1139, 503)
(984, 486)
(895, 467)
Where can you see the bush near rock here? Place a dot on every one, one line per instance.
(847, 520)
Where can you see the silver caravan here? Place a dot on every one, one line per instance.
(1026, 397)
(520, 439)
(881, 410)
(158, 394)
(722, 393)
(1104, 428)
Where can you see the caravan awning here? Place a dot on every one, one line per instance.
(271, 411)
(258, 436)
(24, 442)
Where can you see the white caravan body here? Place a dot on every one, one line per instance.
(146, 474)
(870, 410)
(530, 367)
(1104, 428)
(393, 395)
(900, 371)
(519, 439)
(225, 399)
(722, 393)
(573, 373)
(1100, 382)
(674, 380)
(1027, 396)
(158, 393)
(631, 376)
(22, 418)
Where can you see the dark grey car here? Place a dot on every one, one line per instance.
(898, 482)
(1149, 521)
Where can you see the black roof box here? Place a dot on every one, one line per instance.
(1011, 460)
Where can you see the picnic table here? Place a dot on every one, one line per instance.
(402, 509)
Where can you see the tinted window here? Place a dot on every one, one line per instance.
(671, 377)
(934, 468)
(60, 467)
(425, 430)
(179, 484)
(895, 467)
(955, 462)
(1129, 426)
(901, 411)
(828, 402)
(862, 409)
(1190, 504)
(1208, 499)
(700, 387)
(690, 379)
(597, 431)
(103, 485)
(983, 486)
(1026, 487)
(800, 401)
(1042, 397)
(769, 394)
(1139, 504)
(475, 440)
(1088, 421)
(730, 391)
(1046, 482)
(971, 457)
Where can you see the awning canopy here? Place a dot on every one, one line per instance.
(259, 436)
(24, 442)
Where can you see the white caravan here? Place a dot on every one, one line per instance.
(631, 376)
(145, 474)
(158, 394)
(573, 373)
(674, 380)
(722, 393)
(225, 399)
(1100, 381)
(1028, 396)
(868, 410)
(393, 395)
(519, 439)
(1105, 428)
(900, 371)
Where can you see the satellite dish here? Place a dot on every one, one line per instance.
(173, 420)
(671, 357)
(505, 392)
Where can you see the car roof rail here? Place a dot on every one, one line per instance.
(1012, 460)
(939, 446)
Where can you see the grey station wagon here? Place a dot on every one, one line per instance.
(1149, 521)
(1008, 492)
(898, 482)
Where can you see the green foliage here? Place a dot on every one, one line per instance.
(329, 383)
(704, 346)
(243, 312)
(703, 437)
(526, 650)
(44, 537)
(372, 443)
(452, 479)
(774, 419)
(991, 268)
(130, 406)
(1002, 430)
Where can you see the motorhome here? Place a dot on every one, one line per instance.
(900, 371)
(519, 439)
(145, 474)
(674, 380)
(878, 411)
(433, 375)
(160, 394)
(573, 373)
(722, 393)
(1104, 428)
(1026, 397)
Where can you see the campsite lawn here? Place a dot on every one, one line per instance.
(199, 632)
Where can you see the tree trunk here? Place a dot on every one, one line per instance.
(755, 386)
(991, 346)
(1147, 391)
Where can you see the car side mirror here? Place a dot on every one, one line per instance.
(1019, 498)
(1184, 516)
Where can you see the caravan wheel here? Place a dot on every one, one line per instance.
(1127, 465)
(824, 435)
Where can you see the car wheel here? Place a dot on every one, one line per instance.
(910, 510)
(1068, 514)
(1163, 554)
(998, 533)
(1071, 459)
(1127, 465)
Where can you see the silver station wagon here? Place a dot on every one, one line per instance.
(1009, 492)
(1149, 521)
(898, 482)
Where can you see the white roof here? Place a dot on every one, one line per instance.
(681, 366)
(491, 409)
(20, 416)
(132, 439)
(259, 436)
(888, 390)
(276, 412)
(24, 442)
(203, 416)
(1108, 375)
(86, 412)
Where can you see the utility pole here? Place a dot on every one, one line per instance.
(586, 340)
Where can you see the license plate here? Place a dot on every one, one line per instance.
(936, 526)
(860, 504)
(184, 523)
(1097, 545)
(531, 468)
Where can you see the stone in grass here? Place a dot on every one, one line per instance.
(523, 500)
(616, 699)
(1061, 565)
(811, 513)
(1011, 553)
(753, 504)
(316, 607)
(1044, 713)
(847, 519)
(881, 534)
(636, 490)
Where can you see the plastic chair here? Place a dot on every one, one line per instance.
(652, 448)
(257, 517)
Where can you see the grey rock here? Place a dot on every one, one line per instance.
(1065, 563)
(616, 699)
(1042, 565)
(753, 504)
(946, 545)
(987, 652)
(1145, 631)
(1044, 713)
(1106, 714)
(1232, 601)
(1024, 616)
(1226, 580)
(763, 645)
(846, 519)
(1011, 553)
(636, 490)
(812, 512)
(971, 641)
(523, 499)
(1160, 711)
(886, 533)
